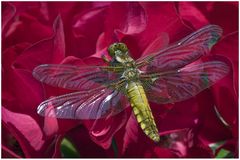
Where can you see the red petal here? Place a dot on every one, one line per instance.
(182, 115)
(103, 130)
(86, 147)
(126, 18)
(8, 12)
(86, 28)
(57, 152)
(50, 50)
(226, 101)
(200, 152)
(26, 131)
(23, 85)
(161, 18)
(50, 123)
(157, 44)
(133, 17)
(188, 11)
(209, 12)
(228, 47)
(211, 129)
(18, 29)
(123, 21)
(7, 153)
(131, 135)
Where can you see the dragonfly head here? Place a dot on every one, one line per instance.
(117, 48)
(119, 51)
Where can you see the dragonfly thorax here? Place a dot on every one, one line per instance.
(131, 74)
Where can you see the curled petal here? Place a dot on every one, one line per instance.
(26, 131)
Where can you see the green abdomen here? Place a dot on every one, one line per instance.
(142, 111)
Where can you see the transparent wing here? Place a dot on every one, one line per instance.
(94, 104)
(181, 84)
(74, 77)
(188, 50)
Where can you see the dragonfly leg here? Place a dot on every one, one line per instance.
(105, 59)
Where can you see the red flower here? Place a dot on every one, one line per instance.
(225, 92)
(79, 33)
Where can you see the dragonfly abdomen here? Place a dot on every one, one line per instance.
(142, 111)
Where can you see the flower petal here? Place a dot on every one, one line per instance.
(103, 130)
(188, 11)
(79, 136)
(7, 14)
(50, 50)
(209, 11)
(86, 28)
(26, 131)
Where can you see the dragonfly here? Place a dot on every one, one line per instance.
(169, 75)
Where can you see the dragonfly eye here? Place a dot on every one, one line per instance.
(117, 47)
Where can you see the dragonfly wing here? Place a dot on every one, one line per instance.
(181, 84)
(182, 53)
(73, 77)
(95, 104)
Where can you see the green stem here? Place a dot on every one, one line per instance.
(115, 148)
